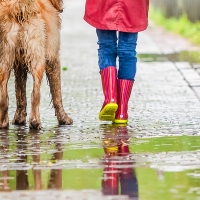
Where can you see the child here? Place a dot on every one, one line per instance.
(117, 24)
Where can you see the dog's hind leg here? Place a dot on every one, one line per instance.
(4, 100)
(37, 72)
(34, 40)
(53, 75)
(8, 38)
(53, 67)
(20, 91)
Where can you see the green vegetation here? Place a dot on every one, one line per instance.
(181, 26)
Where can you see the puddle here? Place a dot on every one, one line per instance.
(117, 164)
(192, 57)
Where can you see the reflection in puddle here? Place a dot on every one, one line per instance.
(121, 164)
(118, 171)
(4, 148)
(24, 167)
(192, 57)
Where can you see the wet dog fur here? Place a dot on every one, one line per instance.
(30, 42)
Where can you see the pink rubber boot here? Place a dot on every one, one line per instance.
(109, 85)
(124, 92)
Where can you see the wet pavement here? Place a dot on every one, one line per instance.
(156, 156)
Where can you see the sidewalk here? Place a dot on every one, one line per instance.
(161, 102)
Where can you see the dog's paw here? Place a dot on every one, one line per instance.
(34, 124)
(4, 125)
(66, 120)
(19, 118)
(17, 121)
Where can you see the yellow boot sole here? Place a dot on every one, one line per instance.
(108, 112)
(120, 121)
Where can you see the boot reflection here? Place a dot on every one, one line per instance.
(118, 174)
(4, 148)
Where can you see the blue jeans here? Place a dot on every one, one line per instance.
(121, 45)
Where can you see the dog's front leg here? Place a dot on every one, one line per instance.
(37, 73)
(20, 90)
(4, 100)
(53, 75)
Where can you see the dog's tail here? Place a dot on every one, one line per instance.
(58, 4)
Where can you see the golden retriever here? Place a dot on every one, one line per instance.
(30, 42)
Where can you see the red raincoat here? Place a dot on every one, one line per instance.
(120, 15)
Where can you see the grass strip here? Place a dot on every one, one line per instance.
(182, 25)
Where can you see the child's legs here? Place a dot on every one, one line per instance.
(127, 55)
(107, 52)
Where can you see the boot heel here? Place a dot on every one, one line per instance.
(108, 112)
